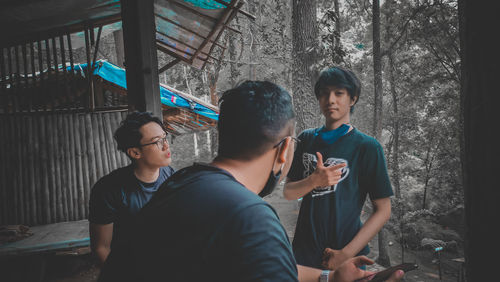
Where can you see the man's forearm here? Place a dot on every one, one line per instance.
(309, 274)
(370, 228)
(297, 189)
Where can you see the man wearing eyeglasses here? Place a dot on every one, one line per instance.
(117, 197)
(208, 222)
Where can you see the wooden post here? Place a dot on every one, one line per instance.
(139, 38)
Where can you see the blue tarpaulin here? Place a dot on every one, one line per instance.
(116, 75)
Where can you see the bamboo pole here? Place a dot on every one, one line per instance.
(16, 138)
(78, 167)
(103, 145)
(38, 163)
(22, 146)
(113, 121)
(124, 156)
(59, 174)
(74, 184)
(90, 148)
(85, 160)
(72, 213)
(3, 173)
(45, 171)
(108, 130)
(32, 153)
(52, 150)
(10, 179)
(63, 168)
(97, 146)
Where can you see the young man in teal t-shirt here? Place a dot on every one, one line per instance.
(334, 168)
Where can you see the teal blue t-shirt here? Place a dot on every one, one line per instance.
(330, 216)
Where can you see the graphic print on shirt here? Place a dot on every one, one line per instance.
(310, 161)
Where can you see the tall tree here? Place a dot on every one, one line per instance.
(304, 50)
(383, 257)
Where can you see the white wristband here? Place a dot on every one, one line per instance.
(324, 276)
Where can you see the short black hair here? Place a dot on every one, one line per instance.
(253, 116)
(339, 77)
(128, 134)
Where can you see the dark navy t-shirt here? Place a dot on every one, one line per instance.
(203, 225)
(330, 216)
(119, 196)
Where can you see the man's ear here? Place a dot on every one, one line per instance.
(134, 153)
(282, 154)
(354, 101)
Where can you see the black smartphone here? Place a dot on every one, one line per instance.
(386, 273)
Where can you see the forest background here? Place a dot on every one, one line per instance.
(406, 54)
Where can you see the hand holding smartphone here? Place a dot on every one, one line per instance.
(386, 273)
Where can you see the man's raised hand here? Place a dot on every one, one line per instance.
(326, 176)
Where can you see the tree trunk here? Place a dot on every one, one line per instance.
(304, 54)
(383, 258)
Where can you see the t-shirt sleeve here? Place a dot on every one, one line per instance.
(374, 175)
(296, 171)
(102, 203)
(261, 251)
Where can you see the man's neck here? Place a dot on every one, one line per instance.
(252, 174)
(145, 173)
(334, 124)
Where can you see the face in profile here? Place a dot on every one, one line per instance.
(155, 149)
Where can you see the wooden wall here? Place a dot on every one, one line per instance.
(49, 162)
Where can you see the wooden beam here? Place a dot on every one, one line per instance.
(188, 30)
(169, 65)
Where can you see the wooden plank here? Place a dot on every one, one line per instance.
(50, 237)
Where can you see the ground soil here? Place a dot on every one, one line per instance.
(82, 268)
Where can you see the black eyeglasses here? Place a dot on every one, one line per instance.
(159, 143)
(297, 141)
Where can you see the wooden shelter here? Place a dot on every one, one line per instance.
(57, 116)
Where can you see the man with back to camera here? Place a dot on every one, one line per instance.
(208, 222)
(117, 197)
(329, 230)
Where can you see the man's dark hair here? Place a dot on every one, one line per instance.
(128, 134)
(253, 117)
(341, 78)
